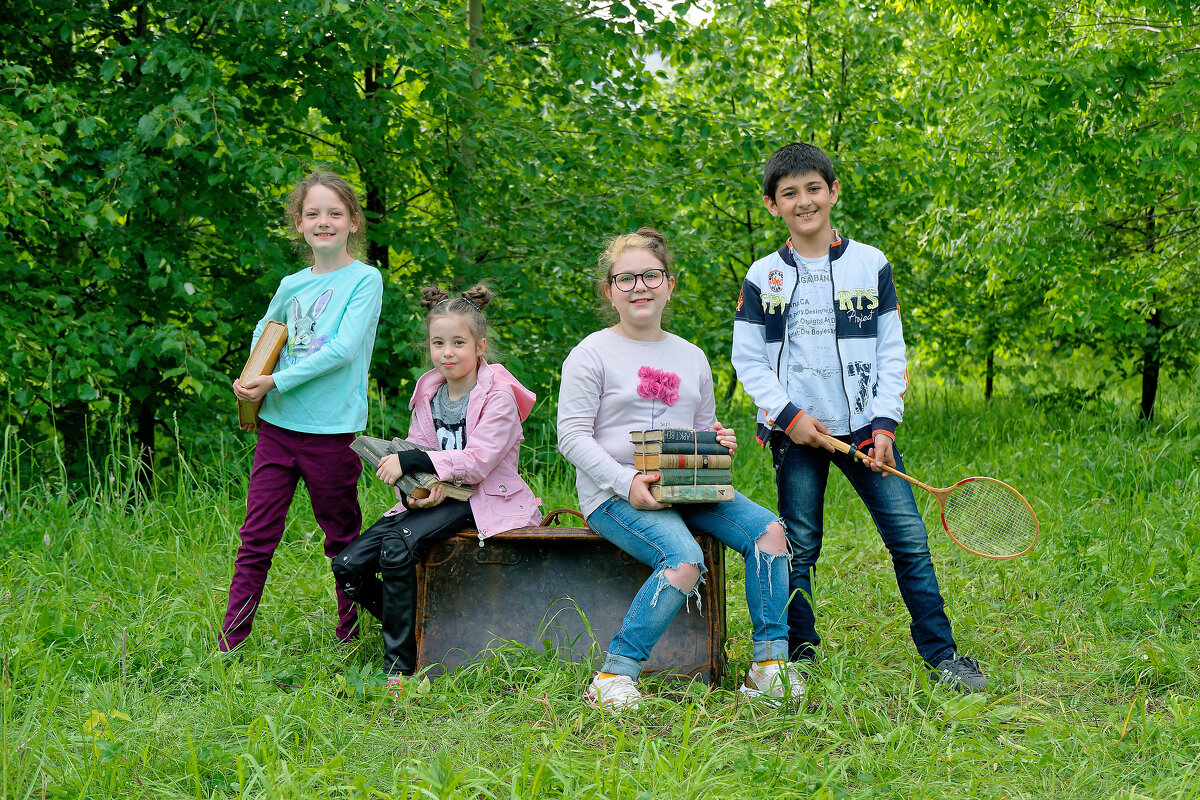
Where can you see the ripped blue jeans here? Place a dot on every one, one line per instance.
(663, 540)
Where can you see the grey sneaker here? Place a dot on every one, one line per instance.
(962, 673)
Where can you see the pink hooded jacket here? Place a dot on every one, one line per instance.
(497, 407)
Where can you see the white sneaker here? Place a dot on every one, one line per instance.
(778, 681)
(616, 694)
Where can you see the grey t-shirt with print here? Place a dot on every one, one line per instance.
(450, 419)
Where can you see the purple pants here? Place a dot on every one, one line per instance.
(281, 458)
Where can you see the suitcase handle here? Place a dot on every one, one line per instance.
(553, 516)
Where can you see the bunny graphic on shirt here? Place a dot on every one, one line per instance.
(303, 342)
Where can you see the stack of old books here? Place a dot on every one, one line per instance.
(690, 465)
(413, 484)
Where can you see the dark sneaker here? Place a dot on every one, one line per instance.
(962, 673)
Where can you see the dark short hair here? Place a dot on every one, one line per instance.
(794, 159)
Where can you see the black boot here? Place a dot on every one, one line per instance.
(403, 545)
(397, 562)
(399, 620)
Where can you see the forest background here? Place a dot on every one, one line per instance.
(1029, 168)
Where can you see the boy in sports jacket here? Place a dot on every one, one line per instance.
(818, 345)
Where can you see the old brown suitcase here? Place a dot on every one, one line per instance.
(530, 585)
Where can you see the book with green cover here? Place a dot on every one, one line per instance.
(681, 477)
(698, 448)
(646, 461)
(417, 484)
(715, 493)
(673, 435)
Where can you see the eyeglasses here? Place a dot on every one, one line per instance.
(627, 281)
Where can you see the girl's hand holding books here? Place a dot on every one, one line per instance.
(639, 493)
(389, 470)
(725, 437)
(436, 495)
(254, 389)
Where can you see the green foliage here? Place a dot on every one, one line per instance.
(151, 222)
(1063, 221)
(178, 127)
(1029, 170)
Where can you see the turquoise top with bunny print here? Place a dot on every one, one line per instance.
(321, 377)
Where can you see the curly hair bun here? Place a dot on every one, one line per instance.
(431, 296)
(467, 306)
(651, 233)
(479, 296)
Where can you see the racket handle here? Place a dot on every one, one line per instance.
(851, 450)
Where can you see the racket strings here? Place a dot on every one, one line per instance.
(990, 518)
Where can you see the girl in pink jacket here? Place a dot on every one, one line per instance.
(470, 412)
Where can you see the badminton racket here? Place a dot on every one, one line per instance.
(983, 516)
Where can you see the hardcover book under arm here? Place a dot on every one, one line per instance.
(415, 484)
(263, 358)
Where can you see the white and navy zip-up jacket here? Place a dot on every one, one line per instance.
(869, 339)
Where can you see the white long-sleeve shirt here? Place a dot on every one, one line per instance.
(599, 404)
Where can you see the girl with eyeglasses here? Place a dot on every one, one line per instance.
(634, 375)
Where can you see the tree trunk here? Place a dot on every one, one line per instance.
(146, 410)
(991, 373)
(474, 21)
(808, 57)
(750, 236)
(1151, 364)
(378, 252)
(147, 421)
(461, 173)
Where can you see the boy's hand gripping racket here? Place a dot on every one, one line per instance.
(983, 516)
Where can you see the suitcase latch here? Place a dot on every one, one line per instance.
(498, 555)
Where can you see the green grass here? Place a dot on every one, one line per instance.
(110, 687)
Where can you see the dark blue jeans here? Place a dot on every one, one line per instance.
(801, 474)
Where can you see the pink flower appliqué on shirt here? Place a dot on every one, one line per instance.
(658, 384)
